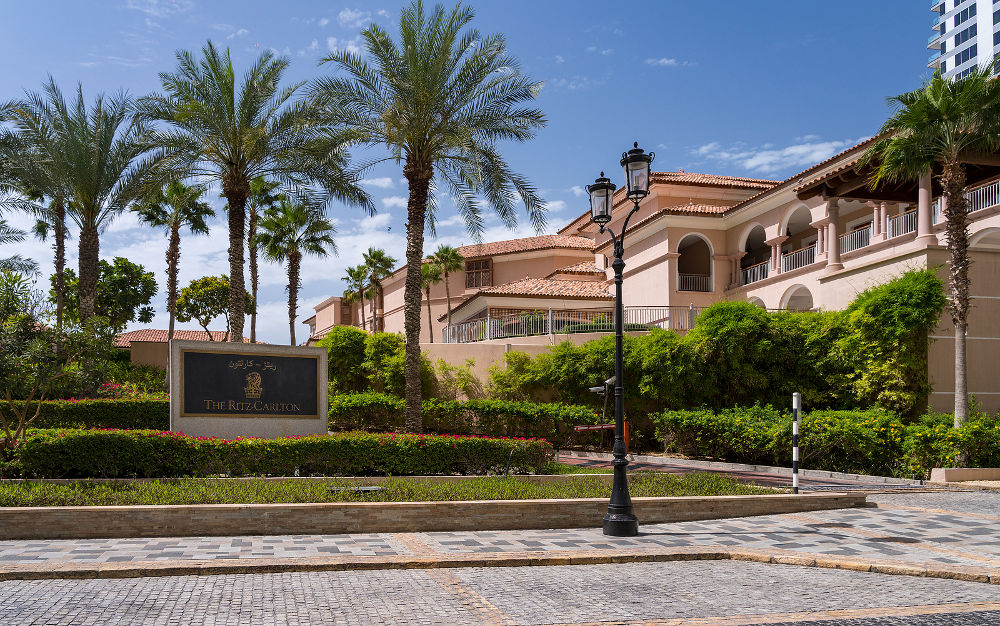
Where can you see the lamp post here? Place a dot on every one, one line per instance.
(620, 520)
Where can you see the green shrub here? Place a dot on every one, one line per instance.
(149, 453)
(345, 346)
(104, 413)
(371, 411)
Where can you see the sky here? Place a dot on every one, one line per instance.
(756, 89)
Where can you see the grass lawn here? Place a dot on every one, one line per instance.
(209, 491)
(565, 468)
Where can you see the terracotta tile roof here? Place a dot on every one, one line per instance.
(587, 267)
(711, 180)
(157, 335)
(552, 288)
(678, 209)
(525, 244)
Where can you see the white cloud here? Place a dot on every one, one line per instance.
(579, 83)
(382, 183)
(394, 202)
(555, 206)
(577, 191)
(353, 18)
(323, 21)
(559, 59)
(663, 62)
(109, 59)
(352, 45)
(768, 158)
(160, 8)
(239, 33)
(382, 13)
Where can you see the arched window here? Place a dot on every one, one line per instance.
(694, 265)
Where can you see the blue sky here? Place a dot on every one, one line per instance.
(760, 89)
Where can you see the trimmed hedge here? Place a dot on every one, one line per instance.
(102, 413)
(497, 418)
(866, 442)
(162, 454)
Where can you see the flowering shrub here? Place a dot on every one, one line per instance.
(162, 454)
(146, 411)
(115, 391)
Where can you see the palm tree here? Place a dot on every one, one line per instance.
(262, 198)
(430, 274)
(15, 263)
(440, 99)
(95, 160)
(286, 233)
(379, 266)
(931, 130)
(233, 132)
(174, 207)
(357, 284)
(449, 260)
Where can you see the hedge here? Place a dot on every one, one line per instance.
(163, 454)
(102, 413)
(867, 442)
(381, 412)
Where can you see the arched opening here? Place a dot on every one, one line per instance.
(799, 249)
(757, 302)
(986, 238)
(797, 298)
(754, 264)
(694, 265)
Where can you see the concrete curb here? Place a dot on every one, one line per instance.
(143, 569)
(756, 469)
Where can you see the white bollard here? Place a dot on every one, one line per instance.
(796, 410)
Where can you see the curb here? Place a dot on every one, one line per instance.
(770, 470)
(147, 569)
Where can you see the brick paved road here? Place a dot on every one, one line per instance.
(710, 591)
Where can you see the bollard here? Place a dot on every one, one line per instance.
(796, 410)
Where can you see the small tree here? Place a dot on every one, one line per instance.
(449, 260)
(430, 274)
(357, 281)
(124, 292)
(17, 295)
(379, 266)
(33, 359)
(205, 299)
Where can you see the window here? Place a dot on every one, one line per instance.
(965, 14)
(996, 38)
(477, 274)
(965, 35)
(965, 55)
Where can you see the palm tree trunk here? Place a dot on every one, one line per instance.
(90, 250)
(364, 323)
(416, 210)
(236, 190)
(953, 182)
(59, 215)
(447, 295)
(173, 256)
(374, 300)
(430, 323)
(252, 249)
(293, 292)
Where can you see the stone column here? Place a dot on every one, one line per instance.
(776, 252)
(881, 216)
(876, 208)
(735, 272)
(925, 228)
(833, 236)
(820, 226)
(670, 261)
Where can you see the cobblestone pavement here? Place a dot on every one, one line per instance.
(726, 592)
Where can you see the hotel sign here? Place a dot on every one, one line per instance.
(238, 384)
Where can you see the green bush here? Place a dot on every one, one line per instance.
(160, 454)
(345, 346)
(104, 413)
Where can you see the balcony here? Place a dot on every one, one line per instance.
(934, 41)
(856, 240)
(899, 225)
(754, 273)
(694, 282)
(537, 323)
(799, 258)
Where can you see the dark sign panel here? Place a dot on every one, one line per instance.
(215, 384)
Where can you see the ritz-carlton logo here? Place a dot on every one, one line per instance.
(254, 386)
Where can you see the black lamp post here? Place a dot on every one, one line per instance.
(620, 520)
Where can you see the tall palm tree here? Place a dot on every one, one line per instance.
(232, 131)
(95, 159)
(52, 217)
(379, 266)
(262, 198)
(430, 274)
(174, 207)
(286, 233)
(357, 285)
(449, 260)
(931, 130)
(440, 99)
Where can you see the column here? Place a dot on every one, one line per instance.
(925, 229)
(882, 216)
(736, 273)
(775, 244)
(670, 262)
(833, 236)
(820, 226)
(876, 223)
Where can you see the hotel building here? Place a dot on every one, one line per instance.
(966, 33)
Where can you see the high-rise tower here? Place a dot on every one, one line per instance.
(964, 35)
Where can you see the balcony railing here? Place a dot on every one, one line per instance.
(855, 240)
(754, 273)
(694, 282)
(799, 258)
(983, 197)
(549, 322)
(901, 224)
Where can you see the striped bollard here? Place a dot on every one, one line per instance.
(796, 410)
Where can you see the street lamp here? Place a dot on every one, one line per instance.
(620, 520)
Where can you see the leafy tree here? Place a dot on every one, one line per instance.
(440, 99)
(205, 299)
(233, 132)
(174, 207)
(15, 262)
(124, 291)
(286, 233)
(430, 274)
(379, 265)
(262, 197)
(18, 296)
(449, 260)
(345, 347)
(933, 129)
(35, 357)
(95, 158)
(357, 282)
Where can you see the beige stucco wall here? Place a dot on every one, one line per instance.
(149, 353)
